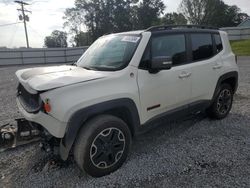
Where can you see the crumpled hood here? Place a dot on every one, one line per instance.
(46, 78)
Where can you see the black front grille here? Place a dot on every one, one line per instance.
(30, 102)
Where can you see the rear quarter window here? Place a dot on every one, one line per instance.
(218, 43)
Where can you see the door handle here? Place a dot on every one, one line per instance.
(185, 75)
(217, 66)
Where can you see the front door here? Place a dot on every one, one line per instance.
(167, 89)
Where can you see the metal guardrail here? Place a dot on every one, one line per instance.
(40, 55)
(237, 33)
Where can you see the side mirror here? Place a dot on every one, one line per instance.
(161, 63)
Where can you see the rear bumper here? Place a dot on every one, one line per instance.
(55, 127)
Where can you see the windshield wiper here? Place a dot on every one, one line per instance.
(74, 64)
(89, 68)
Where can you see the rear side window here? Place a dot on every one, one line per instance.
(218, 43)
(173, 46)
(202, 46)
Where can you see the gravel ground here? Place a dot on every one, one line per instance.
(194, 153)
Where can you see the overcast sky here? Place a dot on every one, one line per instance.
(47, 16)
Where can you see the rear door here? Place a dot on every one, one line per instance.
(206, 64)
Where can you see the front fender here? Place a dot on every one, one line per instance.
(78, 119)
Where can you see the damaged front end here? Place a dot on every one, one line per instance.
(22, 131)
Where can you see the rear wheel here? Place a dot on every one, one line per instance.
(222, 104)
(102, 145)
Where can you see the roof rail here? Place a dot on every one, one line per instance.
(169, 27)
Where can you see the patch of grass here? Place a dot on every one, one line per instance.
(241, 48)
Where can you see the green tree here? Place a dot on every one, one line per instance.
(57, 39)
(108, 16)
(233, 16)
(148, 13)
(212, 12)
(240, 18)
(100, 17)
(82, 39)
(173, 19)
(74, 20)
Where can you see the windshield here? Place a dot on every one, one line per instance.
(109, 53)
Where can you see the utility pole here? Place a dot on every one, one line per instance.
(25, 18)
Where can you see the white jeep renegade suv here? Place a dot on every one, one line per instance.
(125, 83)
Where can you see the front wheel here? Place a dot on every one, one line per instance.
(102, 145)
(222, 103)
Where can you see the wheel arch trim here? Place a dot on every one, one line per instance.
(232, 74)
(77, 120)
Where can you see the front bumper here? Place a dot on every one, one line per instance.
(55, 127)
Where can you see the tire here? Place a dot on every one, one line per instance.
(222, 103)
(102, 145)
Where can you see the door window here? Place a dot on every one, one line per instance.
(202, 46)
(173, 46)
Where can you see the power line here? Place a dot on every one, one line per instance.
(37, 33)
(25, 18)
(9, 24)
(39, 2)
(13, 35)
